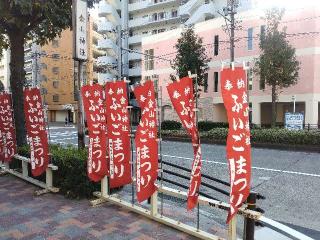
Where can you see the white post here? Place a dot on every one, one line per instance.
(154, 204)
(49, 181)
(104, 187)
(25, 171)
(232, 229)
(294, 103)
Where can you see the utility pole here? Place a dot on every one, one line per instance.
(228, 14)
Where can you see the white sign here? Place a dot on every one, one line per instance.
(294, 121)
(80, 20)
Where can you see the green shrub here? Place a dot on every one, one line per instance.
(259, 135)
(208, 125)
(170, 125)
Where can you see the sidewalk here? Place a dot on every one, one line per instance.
(51, 216)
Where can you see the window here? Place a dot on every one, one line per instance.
(262, 83)
(55, 56)
(154, 17)
(44, 66)
(205, 83)
(55, 70)
(55, 98)
(216, 45)
(55, 43)
(154, 31)
(250, 39)
(162, 15)
(262, 30)
(55, 84)
(44, 78)
(250, 79)
(216, 81)
(161, 30)
(174, 13)
(148, 59)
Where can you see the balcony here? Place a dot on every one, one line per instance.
(106, 61)
(105, 77)
(134, 72)
(109, 12)
(106, 44)
(142, 22)
(105, 27)
(204, 11)
(136, 39)
(152, 5)
(187, 9)
(134, 56)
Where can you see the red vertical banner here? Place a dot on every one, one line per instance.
(94, 108)
(182, 98)
(234, 93)
(146, 142)
(118, 136)
(8, 147)
(36, 131)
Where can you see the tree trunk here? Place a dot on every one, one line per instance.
(274, 107)
(17, 79)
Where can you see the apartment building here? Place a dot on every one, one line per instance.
(5, 69)
(302, 25)
(127, 22)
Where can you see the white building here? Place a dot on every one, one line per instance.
(5, 68)
(131, 20)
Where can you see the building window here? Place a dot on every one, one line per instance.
(250, 79)
(250, 38)
(55, 84)
(44, 66)
(154, 17)
(216, 45)
(55, 70)
(55, 98)
(154, 31)
(161, 30)
(205, 83)
(174, 13)
(56, 56)
(44, 78)
(55, 43)
(262, 31)
(148, 59)
(216, 81)
(262, 83)
(162, 15)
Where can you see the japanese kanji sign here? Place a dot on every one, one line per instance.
(234, 88)
(8, 146)
(118, 133)
(182, 98)
(36, 131)
(146, 142)
(80, 29)
(93, 103)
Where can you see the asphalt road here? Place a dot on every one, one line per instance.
(290, 181)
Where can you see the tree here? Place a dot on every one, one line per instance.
(36, 20)
(277, 65)
(190, 56)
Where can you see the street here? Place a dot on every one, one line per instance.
(288, 180)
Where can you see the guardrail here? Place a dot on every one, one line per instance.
(24, 174)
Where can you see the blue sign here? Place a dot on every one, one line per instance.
(294, 121)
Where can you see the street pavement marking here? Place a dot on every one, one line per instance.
(258, 168)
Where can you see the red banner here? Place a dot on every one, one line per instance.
(8, 146)
(234, 93)
(146, 142)
(118, 133)
(182, 98)
(93, 104)
(36, 131)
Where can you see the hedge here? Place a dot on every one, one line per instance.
(171, 125)
(71, 177)
(269, 136)
(208, 125)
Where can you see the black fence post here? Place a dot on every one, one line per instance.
(248, 233)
